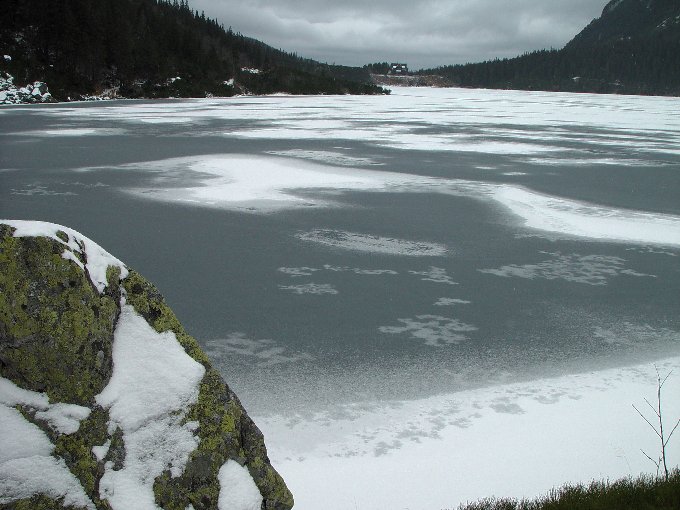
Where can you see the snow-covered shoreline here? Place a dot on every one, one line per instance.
(514, 440)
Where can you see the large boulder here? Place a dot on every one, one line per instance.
(105, 401)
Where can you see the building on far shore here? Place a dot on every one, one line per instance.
(398, 69)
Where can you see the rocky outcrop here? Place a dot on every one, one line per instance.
(105, 401)
(36, 92)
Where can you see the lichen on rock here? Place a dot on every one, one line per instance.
(61, 302)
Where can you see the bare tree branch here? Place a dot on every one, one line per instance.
(672, 431)
(648, 422)
(659, 429)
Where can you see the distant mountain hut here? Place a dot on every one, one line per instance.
(398, 69)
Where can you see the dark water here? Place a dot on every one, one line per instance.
(526, 303)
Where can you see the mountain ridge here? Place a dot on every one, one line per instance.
(632, 48)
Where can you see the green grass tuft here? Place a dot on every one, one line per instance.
(642, 493)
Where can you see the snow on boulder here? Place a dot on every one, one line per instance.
(27, 466)
(105, 401)
(238, 491)
(36, 92)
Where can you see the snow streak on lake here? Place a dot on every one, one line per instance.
(424, 298)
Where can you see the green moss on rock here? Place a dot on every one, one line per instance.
(76, 450)
(225, 430)
(56, 330)
(39, 502)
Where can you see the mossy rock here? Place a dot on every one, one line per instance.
(56, 330)
(39, 502)
(56, 337)
(225, 429)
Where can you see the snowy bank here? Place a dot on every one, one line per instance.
(514, 440)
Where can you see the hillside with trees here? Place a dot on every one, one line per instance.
(632, 48)
(152, 48)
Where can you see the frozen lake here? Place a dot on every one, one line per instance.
(423, 298)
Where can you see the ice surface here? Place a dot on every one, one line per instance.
(97, 259)
(255, 183)
(504, 122)
(514, 440)
(565, 129)
(152, 386)
(237, 488)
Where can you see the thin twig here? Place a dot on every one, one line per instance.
(648, 422)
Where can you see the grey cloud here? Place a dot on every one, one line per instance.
(423, 33)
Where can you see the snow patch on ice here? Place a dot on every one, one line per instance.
(588, 269)
(38, 190)
(154, 382)
(69, 132)
(317, 289)
(373, 244)
(359, 270)
(451, 302)
(589, 162)
(435, 330)
(296, 272)
(261, 352)
(580, 219)
(252, 183)
(328, 157)
(629, 334)
(436, 275)
(97, 259)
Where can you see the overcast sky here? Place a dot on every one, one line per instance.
(422, 33)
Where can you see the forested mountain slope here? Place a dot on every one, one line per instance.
(152, 48)
(633, 48)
